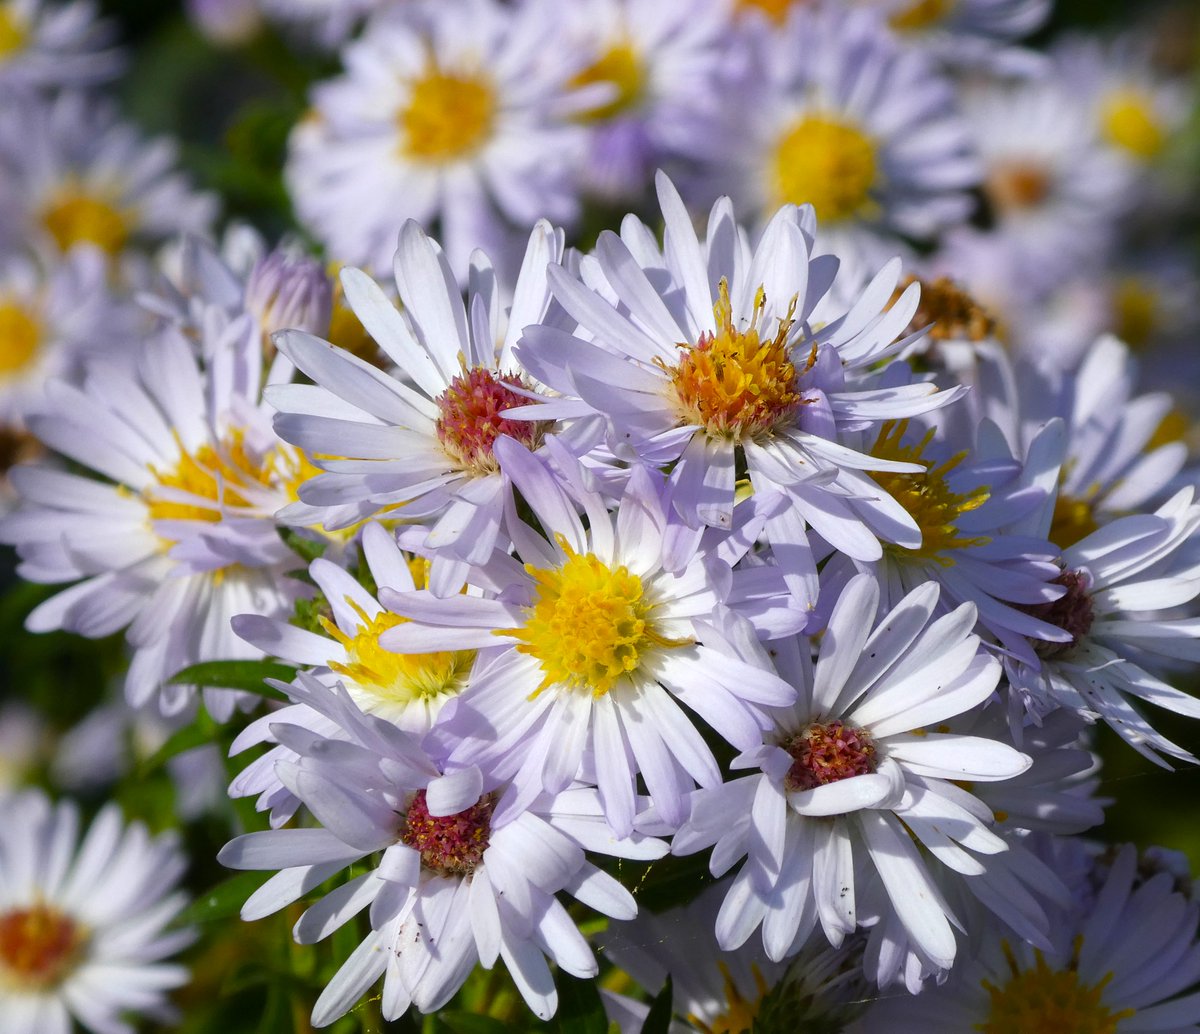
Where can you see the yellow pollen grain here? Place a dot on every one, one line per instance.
(1128, 122)
(920, 15)
(20, 337)
(400, 678)
(826, 163)
(623, 67)
(734, 384)
(13, 32)
(76, 217)
(590, 626)
(1044, 1000)
(926, 496)
(448, 117)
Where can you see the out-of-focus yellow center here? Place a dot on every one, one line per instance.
(1043, 1000)
(20, 336)
(448, 117)
(733, 383)
(205, 483)
(825, 163)
(1018, 185)
(13, 31)
(396, 678)
(740, 1011)
(927, 497)
(622, 66)
(1129, 122)
(776, 10)
(1174, 427)
(74, 217)
(1073, 520)
(589, 626)
(1135, 305)
(38, 947)
(920, 15)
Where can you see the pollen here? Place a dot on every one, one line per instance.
(38, 947)
(826, 163)
(205, 483)
(75, 217)
(826, 753)
(1043, 1000)
(1129, 122)
(920, 15)
(733, 383)
(450, 845)
(928, 498)
(20, 336)
(469, 418)
(1071, 612)
(395, 678)
(590, 626)
(448, 117)
(623, 67)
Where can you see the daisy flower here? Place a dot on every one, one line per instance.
(858, 783)
(1121, 965)
(175, 535)
(75, 173)
(49, 45)
(838, 114)
(466, 874)
(601, 647)
(424, 443)
(706, 358)
(452, 116)
(83, 925)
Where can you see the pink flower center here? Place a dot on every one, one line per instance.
(469, 420)
(1072, 613)
(827, 752)
(450, 845)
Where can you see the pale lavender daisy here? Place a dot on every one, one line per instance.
(48, 45)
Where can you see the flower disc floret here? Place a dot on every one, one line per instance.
(1128, 122)
(218, 476)
(13, 33)
(826, 753)
(469, 418)
(448, 117)
(733, 383)
(450, 845)
(20, 336)
(590, 625)
(1044, 1000)
(623, 68)
(1072, 612)
(75, 217)
(38, 947)
(825, 163)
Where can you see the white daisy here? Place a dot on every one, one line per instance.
(48, 45)
(83, 925)
(1122, 965)
(449, 114)
(601, 647)
(466, 875)
(855, 776)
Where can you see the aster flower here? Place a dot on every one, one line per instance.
(83, 924)
(452, 115)
(853, 780)
(48, 45)
(600, 648)
(74, 173)
(466, 874)
(1121, 965)
(706, 359)
(176, 533)
(425, 446)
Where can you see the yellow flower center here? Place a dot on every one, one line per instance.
(776, 10)
(733, 383)
(346, 329)
(1174, 427)
(621, 66)
(13, 32)
(1017, 185)
(920, 15)
(1043, 1000)
(948, 310)
(927, 497)
(1135, 305)
(395, 678)
(213, 477)
(1073, 520)
(590, 625)
(448, 116)
(1129, 122)
(740, 1012)
(74, 217)
(38, 947)
(827, 164)
(20, 335)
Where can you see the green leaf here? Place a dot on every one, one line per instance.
(580, 1009)
(222, 901)
(471, 1023)
(304, 546)
(244, 675)
(658, 1019)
